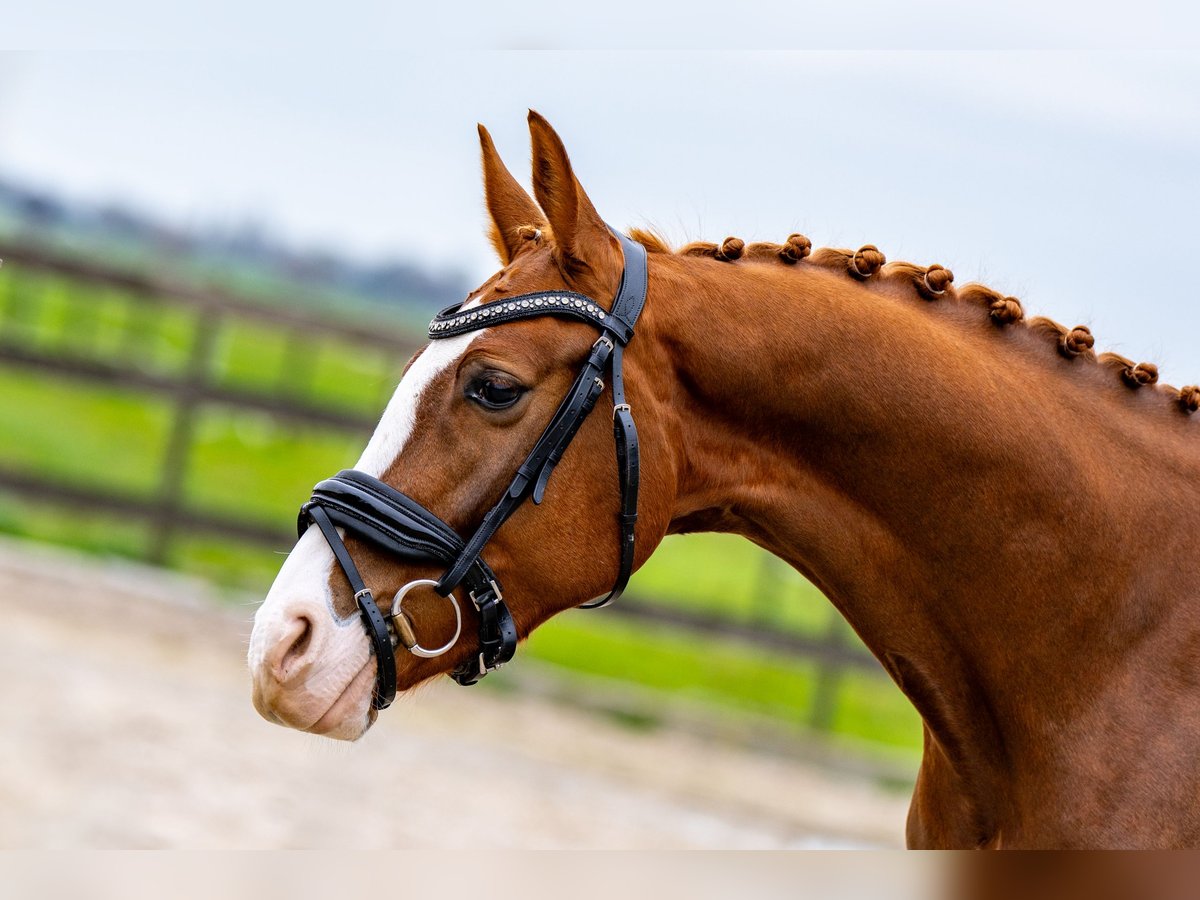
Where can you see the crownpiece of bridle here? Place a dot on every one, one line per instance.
(364, 506)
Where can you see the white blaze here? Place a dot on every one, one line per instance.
(396, 427)
(302, 585)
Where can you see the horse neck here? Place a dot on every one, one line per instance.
(982, 511)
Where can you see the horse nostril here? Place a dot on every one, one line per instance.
(293, 647)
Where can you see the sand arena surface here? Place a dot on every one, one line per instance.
(127, 723)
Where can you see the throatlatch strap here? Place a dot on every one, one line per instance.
(629, 477)
(373, 620)
(631, 297)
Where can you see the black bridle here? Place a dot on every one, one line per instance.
(366, 507)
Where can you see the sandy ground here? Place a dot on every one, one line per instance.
(126, 722)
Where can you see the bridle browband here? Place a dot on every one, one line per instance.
(378, 513)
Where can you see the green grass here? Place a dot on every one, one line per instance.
(51, 314)
(246, 464)
(248, 281)
(332, 373)
(81, 433)
(249, 465)
(727, 574)
(355, 379)
(250, 355)
(241, 566)
(724, 674)
(659, 658)
(104, 535)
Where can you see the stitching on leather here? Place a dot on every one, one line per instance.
(380, 495)
(380, 527)
(449, 535)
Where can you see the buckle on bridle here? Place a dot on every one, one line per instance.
(492, 598)
(494, 591)
(620, 407)
(484, 668)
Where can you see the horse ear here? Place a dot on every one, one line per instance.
(508, 204)
(585, 247)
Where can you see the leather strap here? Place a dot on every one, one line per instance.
(381, 514)
(497, 637)
(618, 321)
(627, 307)
(635, 283)
(454, 320)
(373, 620)
(628, 477)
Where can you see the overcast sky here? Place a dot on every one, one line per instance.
(1068, 179)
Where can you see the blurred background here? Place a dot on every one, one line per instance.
(216, 266)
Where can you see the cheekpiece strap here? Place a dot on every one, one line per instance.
(373, 620)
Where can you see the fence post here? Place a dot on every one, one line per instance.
(183, 428)
(296, 368)
(15, 305)
(829, 677)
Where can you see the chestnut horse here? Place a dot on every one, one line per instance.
(1007, 519)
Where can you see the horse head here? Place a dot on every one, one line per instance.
(475, 406)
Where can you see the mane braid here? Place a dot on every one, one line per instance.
(933, 283)
(728, 250)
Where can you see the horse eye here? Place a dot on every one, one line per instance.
(495, 392)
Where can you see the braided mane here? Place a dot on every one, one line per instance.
(932, 283)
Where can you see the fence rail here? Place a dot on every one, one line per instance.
(150, 509)
(101, 371)
(192, 386)
(34, 258)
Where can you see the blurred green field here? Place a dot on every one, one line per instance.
(250, 465)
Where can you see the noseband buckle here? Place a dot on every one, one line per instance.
(493, 591)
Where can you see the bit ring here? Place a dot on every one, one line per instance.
(404, 627)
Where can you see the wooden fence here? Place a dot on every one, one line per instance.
(190, 387)
(188, 390)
